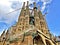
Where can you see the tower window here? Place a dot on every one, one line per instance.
(19, 29)
(41, 23)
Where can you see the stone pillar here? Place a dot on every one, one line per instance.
(30, 40)
(27, 14)
(21, 20)
(36, 17)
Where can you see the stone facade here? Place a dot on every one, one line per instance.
(31, 29)
(58, 40)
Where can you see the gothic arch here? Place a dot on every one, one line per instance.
(49, 42)
(38, 40)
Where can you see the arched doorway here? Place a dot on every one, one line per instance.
(37, 40)
(48, 42)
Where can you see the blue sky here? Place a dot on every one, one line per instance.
(53, 17)
(50, 6)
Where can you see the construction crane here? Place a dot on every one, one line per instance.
(17, 10)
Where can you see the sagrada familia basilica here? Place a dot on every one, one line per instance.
(31, 29)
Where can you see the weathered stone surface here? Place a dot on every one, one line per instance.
(29, 30)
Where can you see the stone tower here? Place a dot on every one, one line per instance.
(31, 29)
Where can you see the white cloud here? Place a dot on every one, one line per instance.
(43, 7)
(6, 6)
(6, 2)
(45, 2)
(10, 5)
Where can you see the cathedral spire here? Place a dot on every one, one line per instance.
(27, 8)
(34, 4)
(20, 24)
(27, 14)
(23, 5)
(40, 13)
(36, 16)
(29, 30)
(22, 10)
(43, 23)
(27, 3)
(35, 10)
(3, 33)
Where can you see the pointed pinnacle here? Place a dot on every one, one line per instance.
(34, 4)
